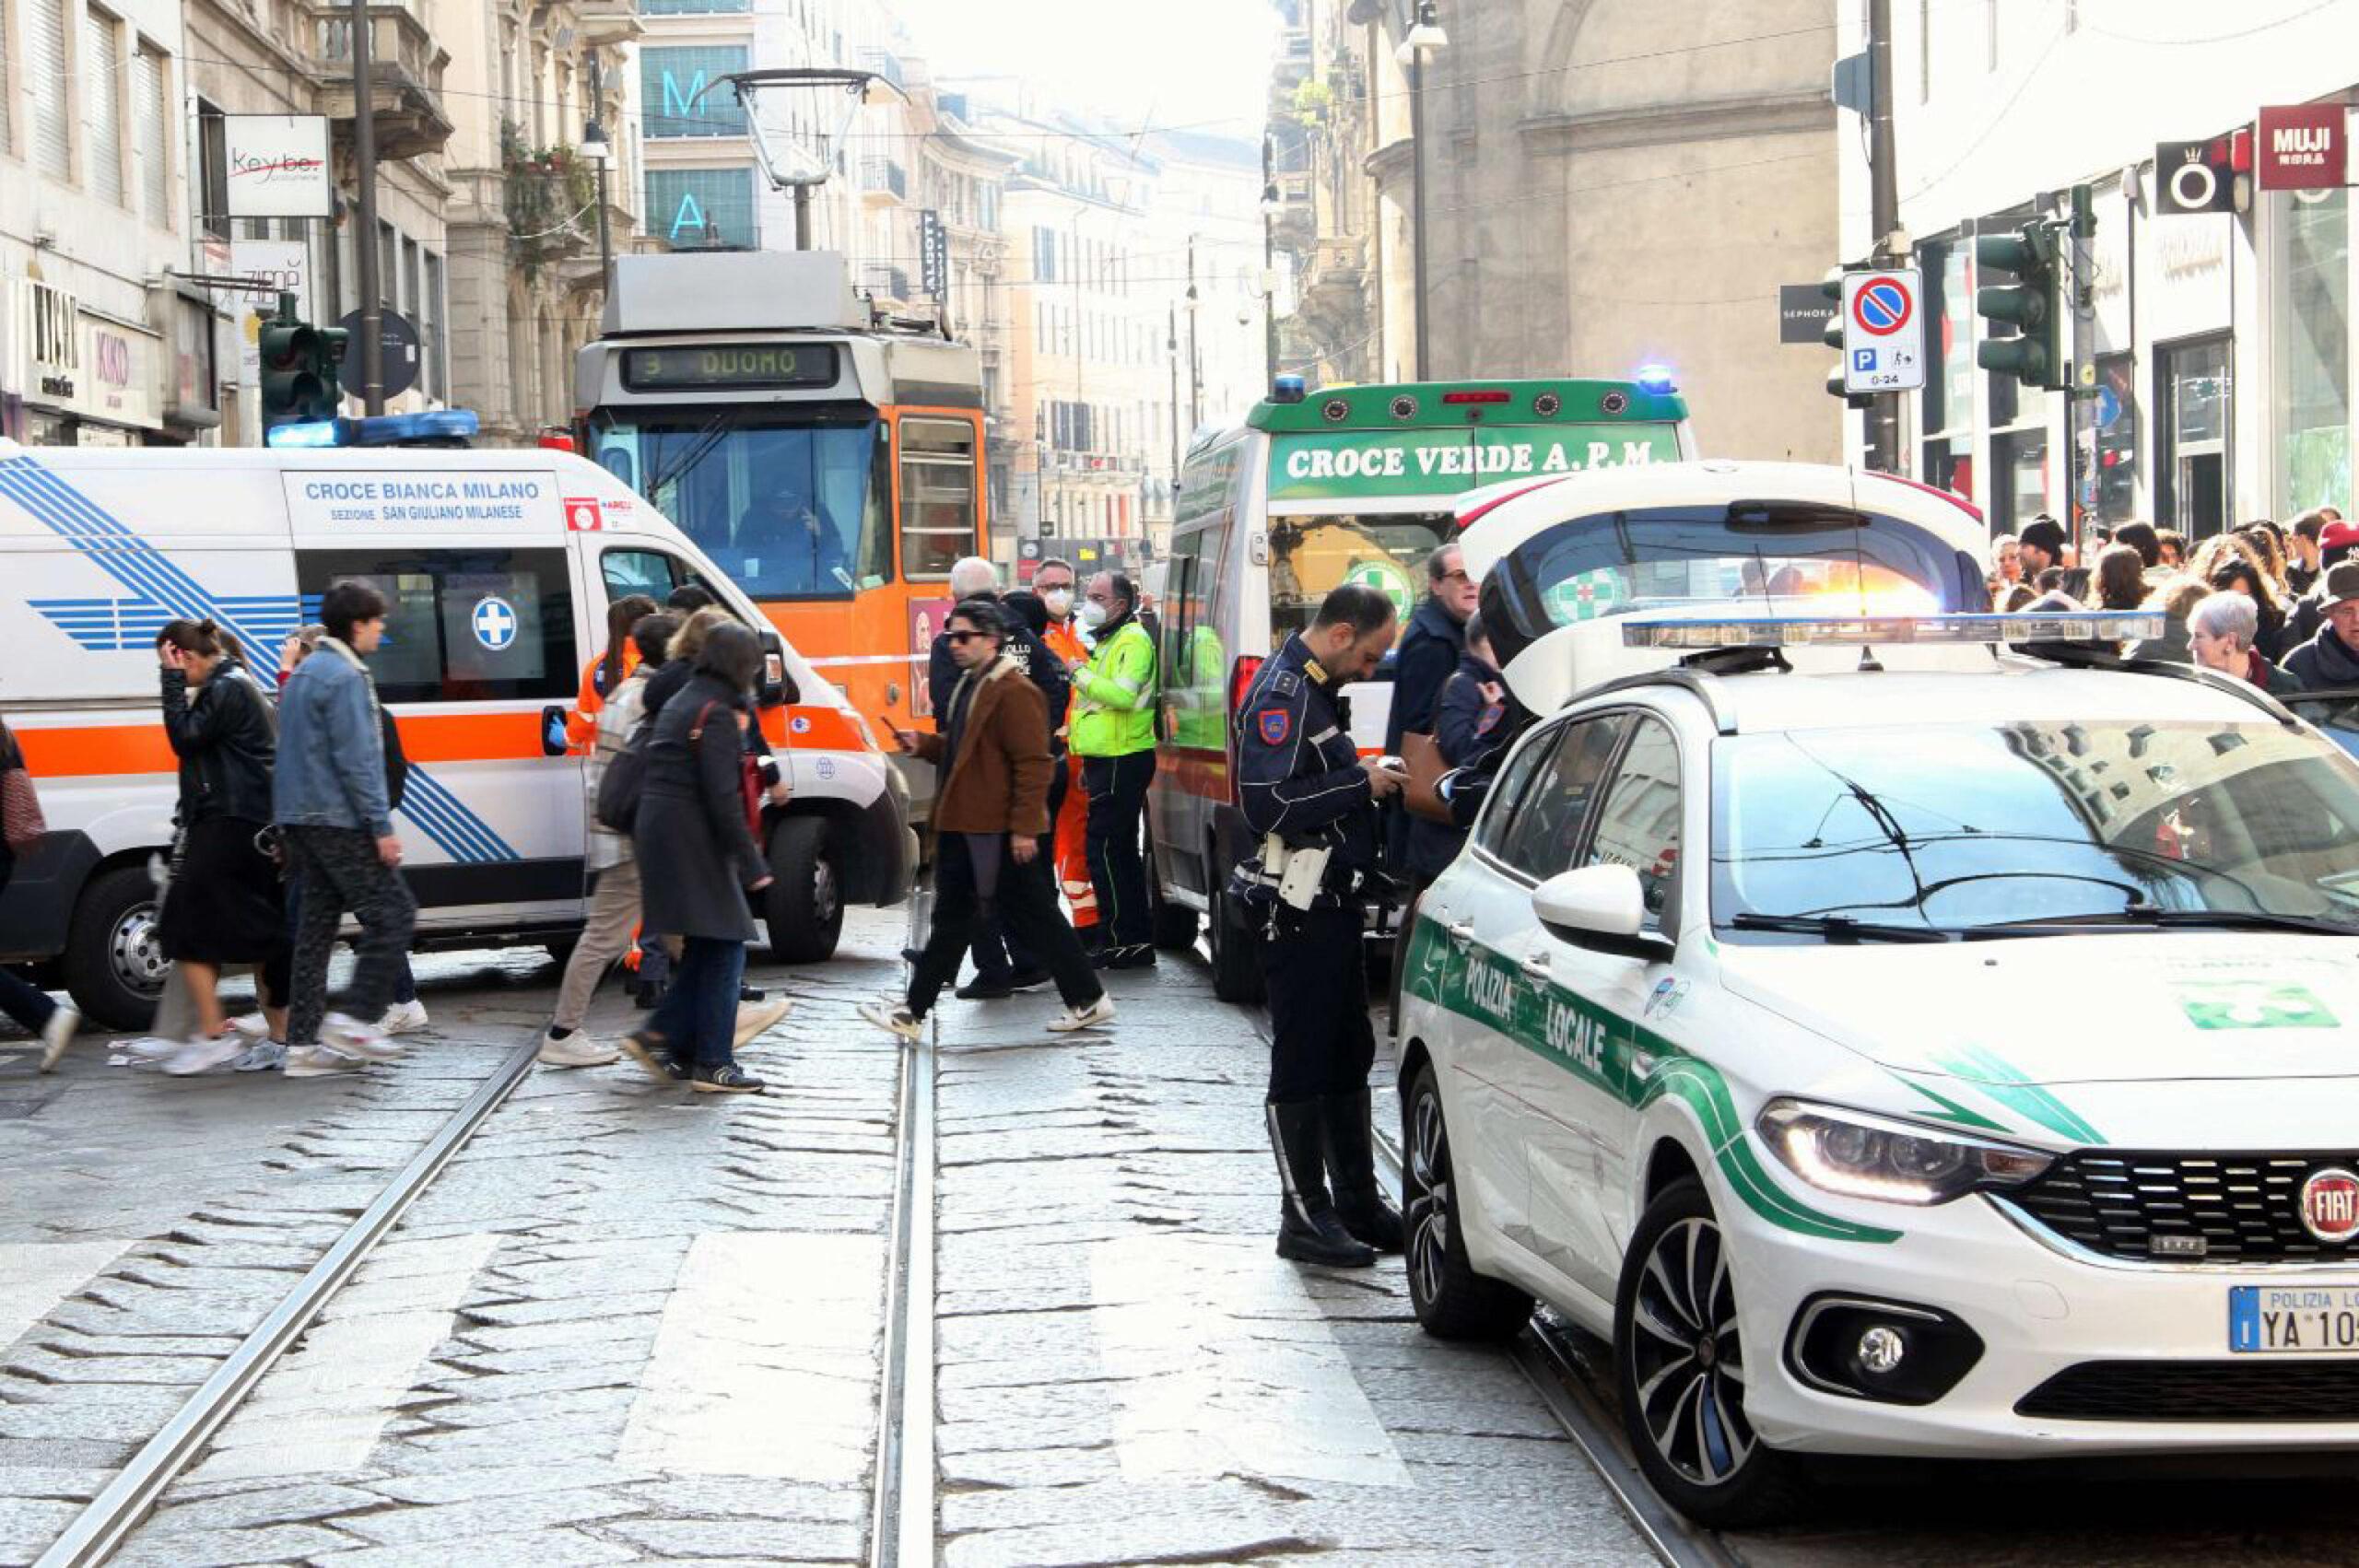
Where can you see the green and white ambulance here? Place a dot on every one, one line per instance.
(1315, 490)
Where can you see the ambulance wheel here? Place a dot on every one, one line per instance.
(1450, 1300)
(1682, 1367)
(1237, 959)
(804, 904)
(114, 965)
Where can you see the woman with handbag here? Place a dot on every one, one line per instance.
(697, 861)
(224, 905)
(21, 827)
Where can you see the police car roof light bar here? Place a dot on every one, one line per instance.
(1787, 631)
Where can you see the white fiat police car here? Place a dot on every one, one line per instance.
(1893, 1040)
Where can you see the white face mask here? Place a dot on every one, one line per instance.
(1093, 614)
(1059, 601)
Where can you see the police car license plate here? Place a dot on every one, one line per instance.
(2293, 1319)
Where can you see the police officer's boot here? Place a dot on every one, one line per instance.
(1309, 1230)
(1351, 1166)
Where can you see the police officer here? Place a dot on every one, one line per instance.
(1302, 786)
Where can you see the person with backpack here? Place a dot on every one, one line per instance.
(50, 1022)
(333, 805)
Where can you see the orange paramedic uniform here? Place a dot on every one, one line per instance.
(1073, 819)
(581, 724)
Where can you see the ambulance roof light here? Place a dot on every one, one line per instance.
(309, 433)
(1288, 388)
(1658, 379)
(435, 425)
(1788, 631)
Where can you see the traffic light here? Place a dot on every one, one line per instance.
(298, 369)
(2034, 303)
(1832, 334)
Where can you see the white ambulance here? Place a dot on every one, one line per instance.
(498, 566)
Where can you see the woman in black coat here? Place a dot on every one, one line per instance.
(697, 861)
(224, 905)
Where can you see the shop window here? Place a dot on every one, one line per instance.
(2192, 393)
(2312, 350)
(2112, 444)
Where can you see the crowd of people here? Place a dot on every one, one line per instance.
(2275, 606)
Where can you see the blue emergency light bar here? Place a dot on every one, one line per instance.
(434, 427)
(1788, 631)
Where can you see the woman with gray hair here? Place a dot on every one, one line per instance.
(2220, 633)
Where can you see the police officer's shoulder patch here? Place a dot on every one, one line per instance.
(1273, 724)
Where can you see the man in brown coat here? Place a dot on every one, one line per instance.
(991, 818)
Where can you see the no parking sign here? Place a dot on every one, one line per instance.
(1884, 331)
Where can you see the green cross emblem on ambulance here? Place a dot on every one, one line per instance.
(2252, 1004)
(1585, 596)
(1386, 578)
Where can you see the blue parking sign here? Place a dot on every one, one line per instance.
(1864, 360)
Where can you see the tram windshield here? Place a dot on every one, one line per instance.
(790, 505)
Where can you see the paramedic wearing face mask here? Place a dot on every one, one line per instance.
(1053, 581)
(1112, 730)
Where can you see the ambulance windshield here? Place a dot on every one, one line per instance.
(790, 505)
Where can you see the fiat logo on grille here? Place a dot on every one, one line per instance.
(2331, 1205)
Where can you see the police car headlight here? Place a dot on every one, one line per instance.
(1858, 1155)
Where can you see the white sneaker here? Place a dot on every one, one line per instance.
(894, 1018)
(318, 1061)
(576, 1049)
(252, 1025)
(403, 1018)
(56, 1035)
(262, 1056)
(757, 1017)
(151, 1047)
(1097, 1012)
(351, 1038)
(202, 1055)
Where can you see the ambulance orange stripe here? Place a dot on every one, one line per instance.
(96, 750)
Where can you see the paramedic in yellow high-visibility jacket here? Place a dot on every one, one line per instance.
(1112, 731)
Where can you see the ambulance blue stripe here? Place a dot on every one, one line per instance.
(426, 798)
(123, 554)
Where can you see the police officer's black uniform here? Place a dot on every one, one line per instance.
(1300, 776)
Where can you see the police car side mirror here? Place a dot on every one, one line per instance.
(1594, 907)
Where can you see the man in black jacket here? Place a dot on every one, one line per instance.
(2329, 661)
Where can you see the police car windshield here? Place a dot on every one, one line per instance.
(1974, 828)
(789, 506)
(1311, 555)
(1614, 563)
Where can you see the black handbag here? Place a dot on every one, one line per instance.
(620, 785)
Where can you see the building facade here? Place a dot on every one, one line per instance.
(2221, 348)
(526, 275)
(1596, 199)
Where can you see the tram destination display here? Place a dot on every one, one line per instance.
(729, 367)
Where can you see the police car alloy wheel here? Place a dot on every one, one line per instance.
(1452, 1301)
(1680, 1361)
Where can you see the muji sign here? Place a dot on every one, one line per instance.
(2305, 148)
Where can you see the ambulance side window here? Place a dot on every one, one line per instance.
(460, 625)
(651, 572)
(1549, 820)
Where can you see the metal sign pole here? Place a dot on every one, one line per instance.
(364, 152)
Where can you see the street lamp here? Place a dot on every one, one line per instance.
(1421, 40)
(600, 151)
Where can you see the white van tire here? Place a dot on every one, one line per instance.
(804, 904)
(1237, 959)
(113, 964)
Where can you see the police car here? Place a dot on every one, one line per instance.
(1898, 1034)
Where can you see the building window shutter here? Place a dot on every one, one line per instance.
(103, 104)
(52, 138)
(155, 141)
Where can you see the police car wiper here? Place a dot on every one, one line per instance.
(1839, 928)
(2194, 919)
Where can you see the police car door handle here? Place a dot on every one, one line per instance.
(1462, 932)
(1536, 966)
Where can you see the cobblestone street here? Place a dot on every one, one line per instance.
(625, 1324)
